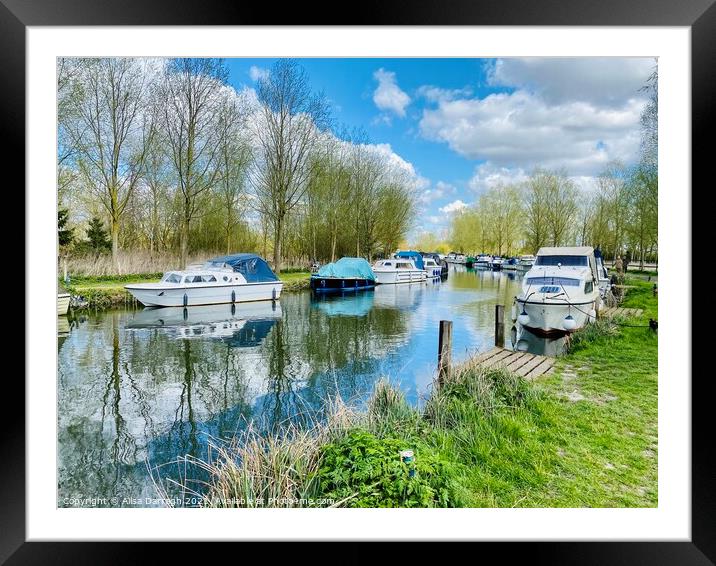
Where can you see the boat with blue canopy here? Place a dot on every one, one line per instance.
(346, 274)
(233, 278)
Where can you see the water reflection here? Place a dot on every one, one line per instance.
(156, 384)
(524, 340)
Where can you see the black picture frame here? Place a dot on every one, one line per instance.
(699, 15)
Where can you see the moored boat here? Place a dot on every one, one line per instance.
(560, 293)
(432, 269)
(234, 278)
(483, 261)
(346, 274)
(510, 264)
(525, 262)
(496, 263)
(398, 270)
(63, 303)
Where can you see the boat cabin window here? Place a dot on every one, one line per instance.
(387, 263)
(208, 278)
(172, 278)
(563, 281)
(549, 289)
(565, 260)
(402, 265)
(192, 279)
(588, 287)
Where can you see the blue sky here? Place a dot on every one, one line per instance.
(468, 124)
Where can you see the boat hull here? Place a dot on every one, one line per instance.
(434, 272)
(548, 318)
(63, 303)
(338, 284)
(392, 277)
(159, 295)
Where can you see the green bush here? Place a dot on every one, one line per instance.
(362, 470)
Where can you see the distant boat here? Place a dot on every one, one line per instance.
(234, 278)
(398, 270)
(496, 263)
(525, 262)
(561, 292)
(470, 261)
(483, 260)
(432, 269)
(510, 264)
(346, 274)
(440, 260)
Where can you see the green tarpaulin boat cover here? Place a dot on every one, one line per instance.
(348, 267)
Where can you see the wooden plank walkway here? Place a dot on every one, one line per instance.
(523, 364)
(619, 311)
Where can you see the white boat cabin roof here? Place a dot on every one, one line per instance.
(566, 250)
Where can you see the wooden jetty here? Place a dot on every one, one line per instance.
(523, 364)
(619, 311)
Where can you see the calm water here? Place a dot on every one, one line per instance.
(140, 389)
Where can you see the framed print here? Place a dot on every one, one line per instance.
(389, 279)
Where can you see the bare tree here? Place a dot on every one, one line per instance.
(111, 134)
(234, 158)
(190, 98)
(292, 118)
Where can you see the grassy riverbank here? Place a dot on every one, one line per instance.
(107, 291)
(583, 436)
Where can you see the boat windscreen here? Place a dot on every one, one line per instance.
(564, 281)
(565, 260)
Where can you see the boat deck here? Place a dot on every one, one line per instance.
(524, 364)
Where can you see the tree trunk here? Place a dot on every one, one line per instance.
(184, 243)
(115, 245)
(333, 248)
(277, 246)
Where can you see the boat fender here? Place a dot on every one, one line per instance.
(233, 296)
(186, 300)
(233, 309)
(323, 282)
(185, 313)
(514, 312)
(273, 294)
(343, 283)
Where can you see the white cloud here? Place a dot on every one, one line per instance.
(487, 176)
(388, 96)
(520, 129)
(257, 73)
(454, 206)
(436, 94)
(440, 190)
(605, 81)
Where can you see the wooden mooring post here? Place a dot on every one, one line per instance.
(444, 350)
(500, 326)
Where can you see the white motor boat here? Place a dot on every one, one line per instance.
(561, 292)
(63, 303)
(398, 270)
(525, 262)
(235, 278)
(496, 263)
(605, 282)
(484, 261)
(432, 268)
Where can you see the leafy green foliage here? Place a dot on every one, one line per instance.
(97, 236)
(366, 471)
(64, 233)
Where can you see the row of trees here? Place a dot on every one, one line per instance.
(175, 159)
(620, 214)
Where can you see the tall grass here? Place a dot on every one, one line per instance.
(255, 469)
